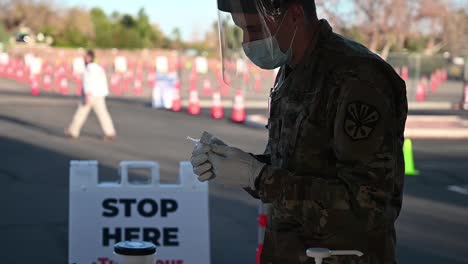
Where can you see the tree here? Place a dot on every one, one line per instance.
(4, 36)
(102, 29)
(176, 37)
(385, 25)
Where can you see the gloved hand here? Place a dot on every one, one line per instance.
(200, 163)
(201, 166)
(234, 166)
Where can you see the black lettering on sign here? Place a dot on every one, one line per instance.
(146, 207)
(170, 237)
(128, 206)
(153, 208)
(168, 206)
(109, 205)
(132, 233)
(151, 235)
(107, 236)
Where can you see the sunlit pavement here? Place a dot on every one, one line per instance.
(432, 227)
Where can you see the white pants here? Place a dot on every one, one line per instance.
(98, 104)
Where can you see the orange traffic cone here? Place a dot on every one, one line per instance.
(257, 83)
(137, 86)
(115, 84)
(464, 101)
(193, 79)
(47, 82)
(404, 73)
(216, 106)
(151, 78)
(194, 103)
(207, 87)
(63, 84)
(176, 101)
(434, 82)
(238, 111)
(35, 89)
(421, 90)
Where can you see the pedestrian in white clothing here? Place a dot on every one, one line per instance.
(95, 90)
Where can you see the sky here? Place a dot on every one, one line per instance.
(185, 14)
(188, 15)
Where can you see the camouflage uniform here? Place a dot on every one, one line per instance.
(335, 164)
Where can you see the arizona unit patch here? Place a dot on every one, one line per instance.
(361, 119)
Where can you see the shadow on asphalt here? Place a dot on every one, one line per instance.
(34, 193)
(42, 129)
(429, 256)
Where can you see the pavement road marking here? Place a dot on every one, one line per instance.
(458, 189)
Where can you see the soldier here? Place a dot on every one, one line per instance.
(333, 167)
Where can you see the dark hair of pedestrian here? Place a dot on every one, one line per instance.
(90, 54)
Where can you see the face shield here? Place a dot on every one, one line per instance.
(247, 31)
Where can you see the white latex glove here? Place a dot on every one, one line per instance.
(201, 165)
(234, 166)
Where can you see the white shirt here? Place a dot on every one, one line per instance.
(95, 81)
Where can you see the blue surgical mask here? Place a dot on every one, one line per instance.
(266, 53)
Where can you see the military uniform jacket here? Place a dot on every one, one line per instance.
(335, 169)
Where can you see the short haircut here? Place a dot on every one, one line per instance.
(90, 53)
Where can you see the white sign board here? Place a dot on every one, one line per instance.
(4, 58)
(201, 65)
(163, 91)
(35, 66)
(78, 66)
(172, 216)
(120, 64)
(162, 64)
(241, 66)
(28, 58)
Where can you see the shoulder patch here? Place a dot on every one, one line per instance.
(360, 120)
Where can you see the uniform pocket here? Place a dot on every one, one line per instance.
(290, 135)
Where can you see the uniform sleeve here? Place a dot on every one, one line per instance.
(266, 156)
(363, 144)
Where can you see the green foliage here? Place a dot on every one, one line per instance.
(4, 36)
(72, 37)
(113, 31)
(416, 44)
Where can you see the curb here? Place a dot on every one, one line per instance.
(460, 131)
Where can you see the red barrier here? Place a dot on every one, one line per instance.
(262, 222)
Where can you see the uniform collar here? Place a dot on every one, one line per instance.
(308, 64)
(324, 32)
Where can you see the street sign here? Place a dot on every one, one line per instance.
(174, 217)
